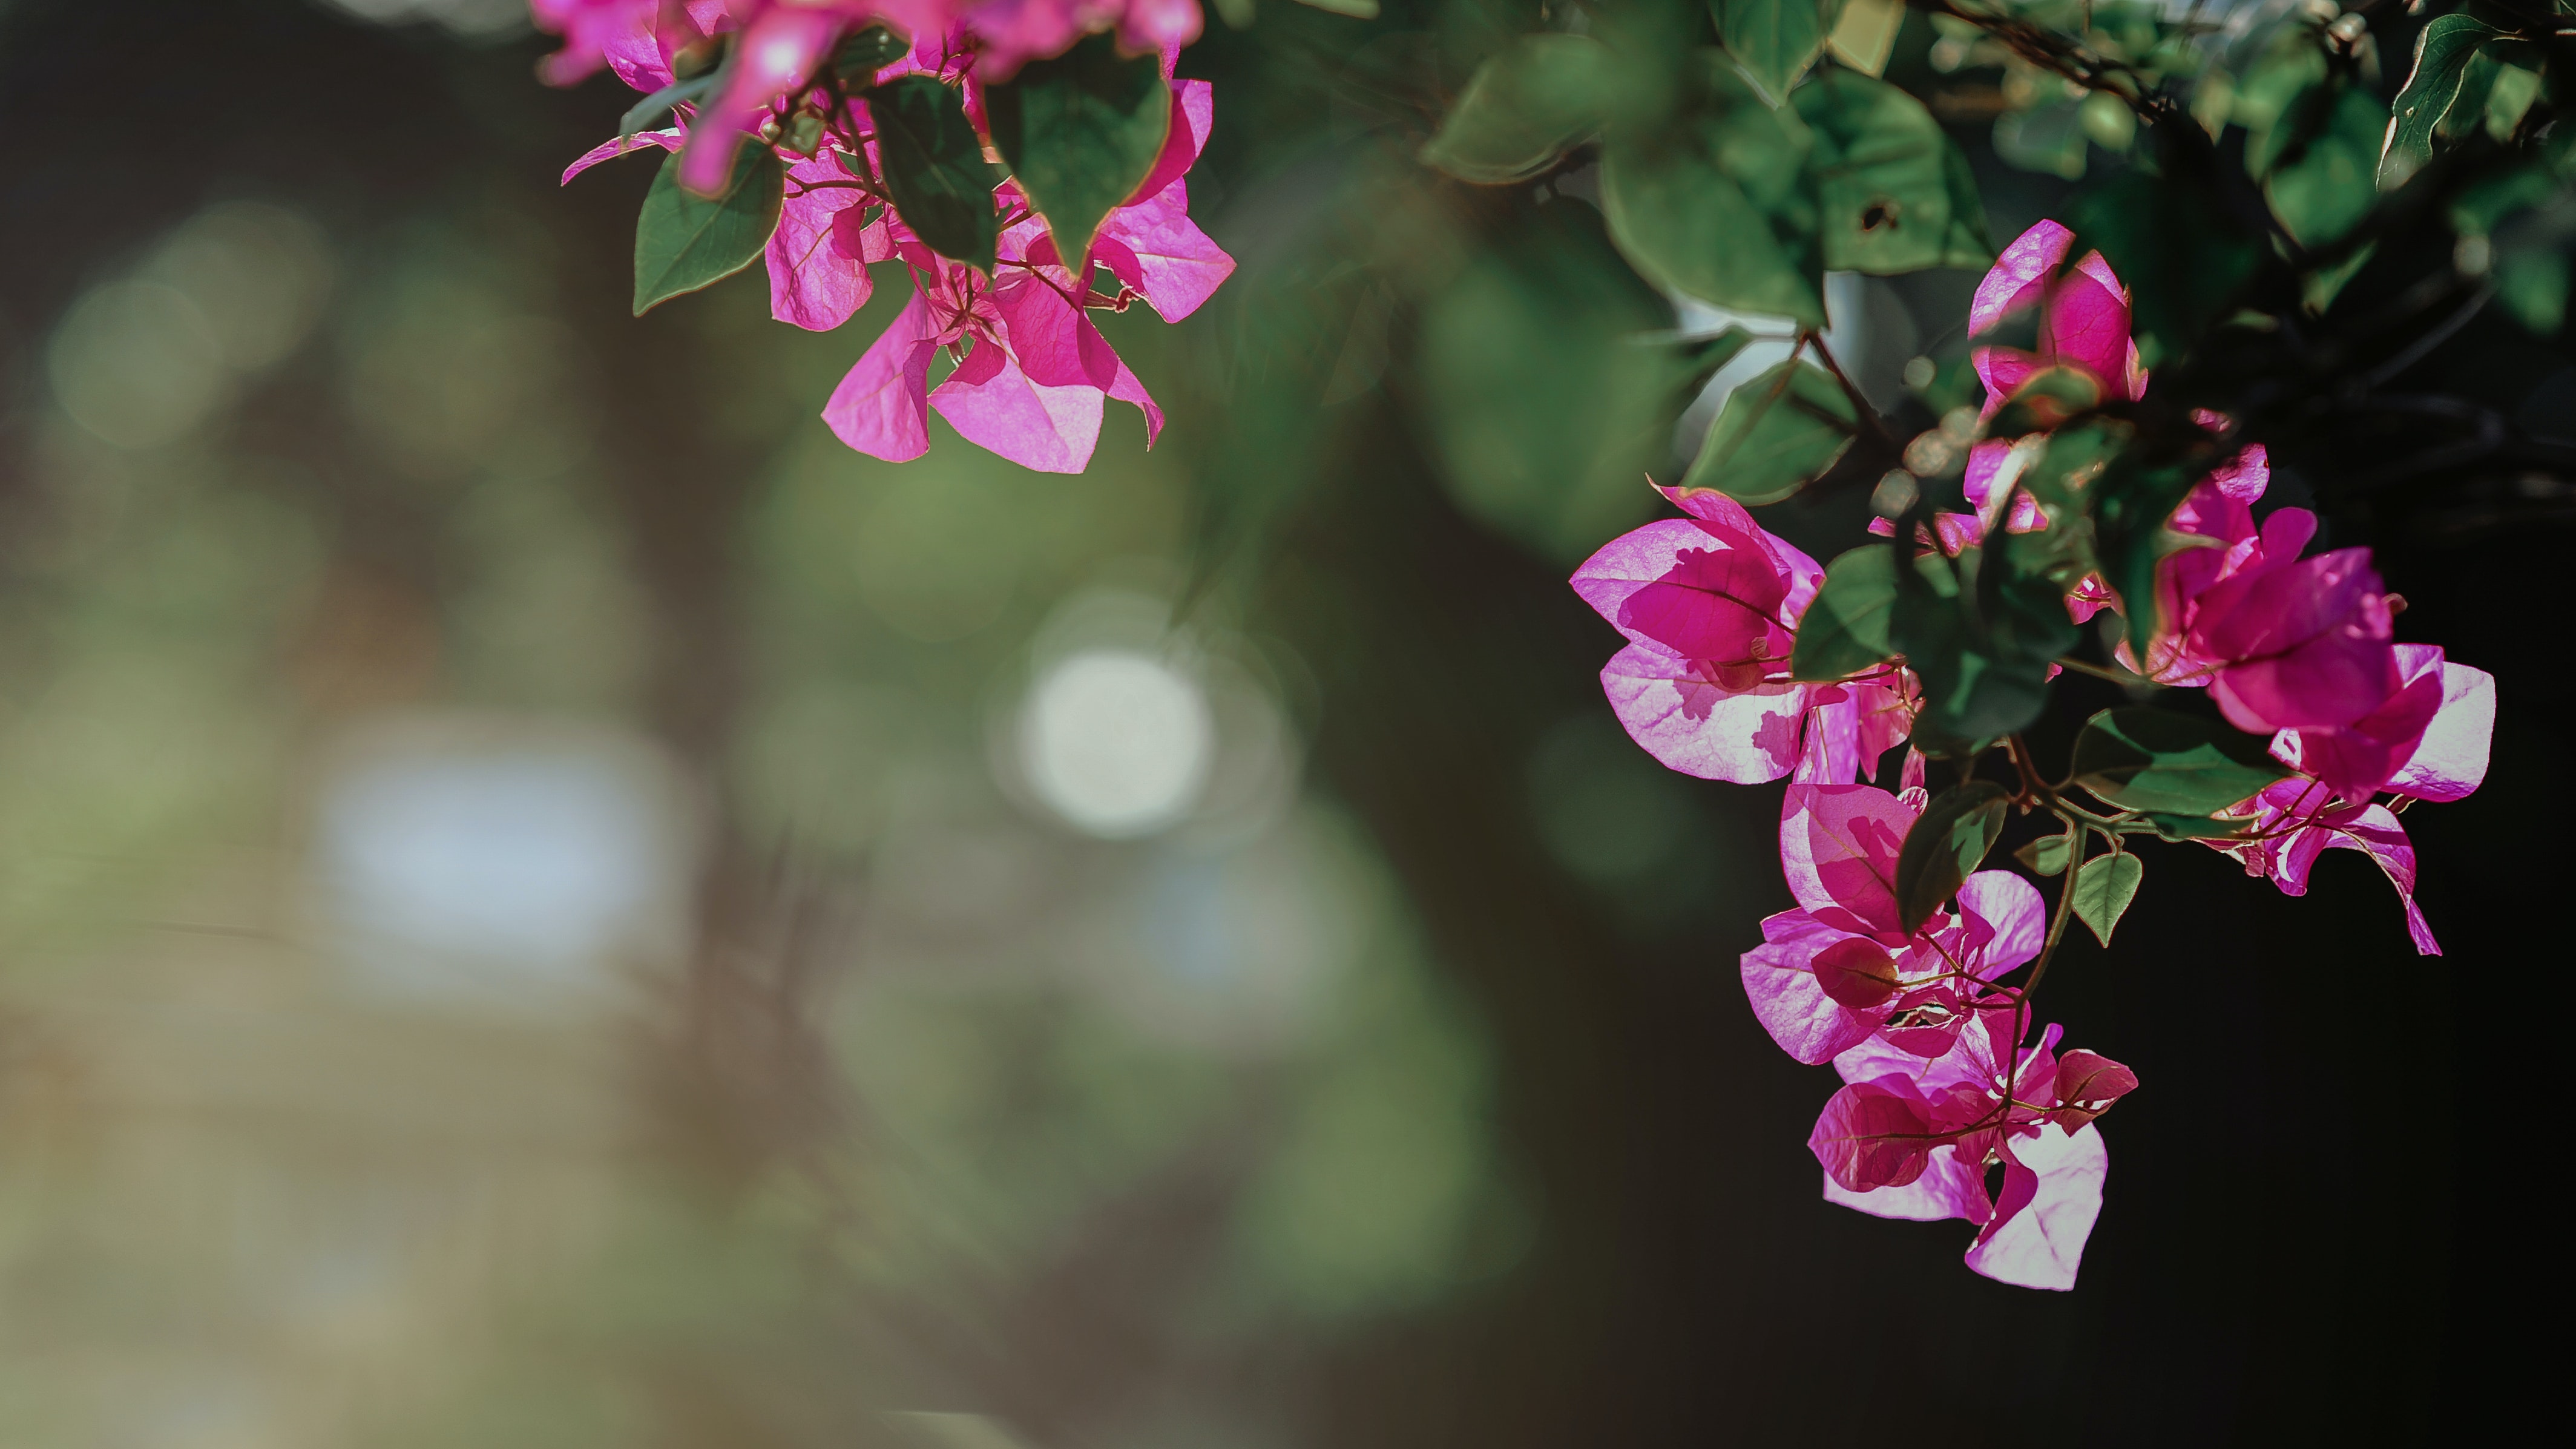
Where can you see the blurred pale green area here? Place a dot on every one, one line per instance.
(324, 1126)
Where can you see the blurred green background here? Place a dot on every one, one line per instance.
(543, 902)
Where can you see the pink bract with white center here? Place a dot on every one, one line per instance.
(1710, 605)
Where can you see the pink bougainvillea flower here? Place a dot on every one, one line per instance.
(1030, 385)
(1841, 968)
(1710, 605)
(2298, 819)
(818, 274)
(2428, 741)
(2083, 324)
(1912, 1137)
(601, 32)
(2292, 643)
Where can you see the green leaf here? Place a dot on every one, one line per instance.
(1779, 431)
(1356, 9)
(643, 115)
(2327, 188)
(1968, 244)
(2442, 52)
(2197, 827)
(861, 56)
(1844, 630)
(2104, 886)
(2182, 253)
(1544, 402)
(1884, 178)
(2044, 400)
(2515, 88)
(2046, 855)
(1866, 33)
(1946, 844)
(2151, 759)
(1774, 40)
(684, 242)
(1524, 109)
(1081, 132)
(1716, 203)
(935, 168)
(2048, 138)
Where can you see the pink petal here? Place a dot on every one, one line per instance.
(994, 405)
(880, 408)
(2376, 833)
(2355, 760)
(1872, 1135)
(1697, 592)
(1693, 725)
(771, 56)
(1790, 1001)
(2020, 275)
(2052, 1195)
(2451, 760)
(1193, 114)
(812, 282)
(2087, 1084)
(2088, 324)
(2010, 907)
(1155, 248)
(1948, 1188)
(1123, 384)
(1838, 847)
(616, 146)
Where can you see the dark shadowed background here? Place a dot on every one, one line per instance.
(542, 903)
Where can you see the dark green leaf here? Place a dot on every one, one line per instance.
(684, 242)
(1081, 132)
(2104, 886)
(2442, 52)
(935, 168)
(1779, 431)
(2048, 138)
(861, 56)
(2151, 759)
(1947, 843)
(647, 113)
(1844, 630)
(1774, 40)
(2046, 855)
(1884, 179)
(1980, 633)
(2327, 187)
(2181, 252)
(2197, 827)
(1524, 109)
(1716, 204)
(1545, 404)
(2516, 86)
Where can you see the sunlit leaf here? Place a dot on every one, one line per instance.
(1886, 194)
(1779, 431)
(2104, 887)
(2442, 53)
(2152, 759)
(1715, 204)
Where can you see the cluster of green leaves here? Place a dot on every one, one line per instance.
(1744, 151)
(1077, 134)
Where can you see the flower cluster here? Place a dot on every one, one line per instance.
(1899, 964)
(1032, 372)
